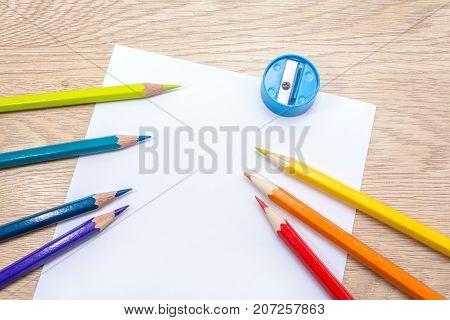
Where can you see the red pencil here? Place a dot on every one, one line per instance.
(305, 254)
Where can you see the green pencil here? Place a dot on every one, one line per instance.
(76, 97)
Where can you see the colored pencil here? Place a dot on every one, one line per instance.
(57, 247)
(305, 254)
(362, 202)
(60, 213)
(67, 150)
(83, 96)
(357, 249)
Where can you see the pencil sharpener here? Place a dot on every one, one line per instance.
(289, 85)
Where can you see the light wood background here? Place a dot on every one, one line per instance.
(395, 54)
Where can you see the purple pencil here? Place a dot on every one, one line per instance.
(57, 247)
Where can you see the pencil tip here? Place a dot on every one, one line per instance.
(262, 151)
(122, 192)
(170, 86)
(261, 203)
(143, 138)
(120, 210)
(248, 175)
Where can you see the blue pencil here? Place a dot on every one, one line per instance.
(57, 247)
(67, 150)
(63, 212)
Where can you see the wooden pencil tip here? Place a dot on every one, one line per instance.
(170, 86)
(142, 138)
(120, 210)
(248, 175)
(262, 151)
(261, 203)
(122, 192)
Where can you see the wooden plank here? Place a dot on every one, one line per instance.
(395, 54)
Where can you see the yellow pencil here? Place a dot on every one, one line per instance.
(82, 96)
(360, 201)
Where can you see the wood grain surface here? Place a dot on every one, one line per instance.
(394, 54)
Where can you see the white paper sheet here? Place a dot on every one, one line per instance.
(200, 235)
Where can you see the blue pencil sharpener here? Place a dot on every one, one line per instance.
(289, 86)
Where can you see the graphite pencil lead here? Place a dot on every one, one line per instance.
(262, 151)
(170, 86)
(122, 192)
(248, 175)
(120, 210)
(262, 203)
(143, 138)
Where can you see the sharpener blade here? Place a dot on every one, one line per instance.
(287, 81)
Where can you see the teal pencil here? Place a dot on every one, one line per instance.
(67, 150)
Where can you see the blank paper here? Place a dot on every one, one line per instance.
(192, 234)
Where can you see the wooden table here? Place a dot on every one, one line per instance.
(395, 55)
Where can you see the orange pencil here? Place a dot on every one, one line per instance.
(357, 249)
